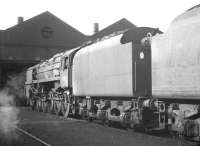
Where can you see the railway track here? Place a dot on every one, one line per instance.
(35, 138)
(40, 129)
(161, 134)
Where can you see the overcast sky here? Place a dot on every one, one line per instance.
(81, 14)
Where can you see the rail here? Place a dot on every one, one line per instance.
(32, 136)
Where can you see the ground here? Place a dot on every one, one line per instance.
(59, 131)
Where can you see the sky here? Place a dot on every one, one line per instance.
(82, 14)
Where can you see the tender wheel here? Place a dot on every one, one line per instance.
(74, 107)
(131, 127)
(103, 118)
(84, 114)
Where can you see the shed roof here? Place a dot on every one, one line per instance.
(120, 25)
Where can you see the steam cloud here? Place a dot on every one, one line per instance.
(8, 112)
(9, 96)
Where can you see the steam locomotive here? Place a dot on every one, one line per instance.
(140, 78)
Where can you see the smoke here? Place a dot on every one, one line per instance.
(15, 84)
(8, 112)
(11, 95)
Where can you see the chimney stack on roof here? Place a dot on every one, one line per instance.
(96, 27)
(20, 20)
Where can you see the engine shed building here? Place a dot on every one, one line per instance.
(39, 38)
(34, 40)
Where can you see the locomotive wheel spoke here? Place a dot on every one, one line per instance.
(49, 107)
(73, 108)
(40, 106)
(44, 108)
(67, 106)
(52, 107)
(37, 106)
(57, 108)
(63, 108)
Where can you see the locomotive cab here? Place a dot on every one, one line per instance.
(64, 71)
(66, 68)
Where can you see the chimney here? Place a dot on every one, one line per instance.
(20, 20)
(96, 27)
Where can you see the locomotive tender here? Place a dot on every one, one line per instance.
(138, 77)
